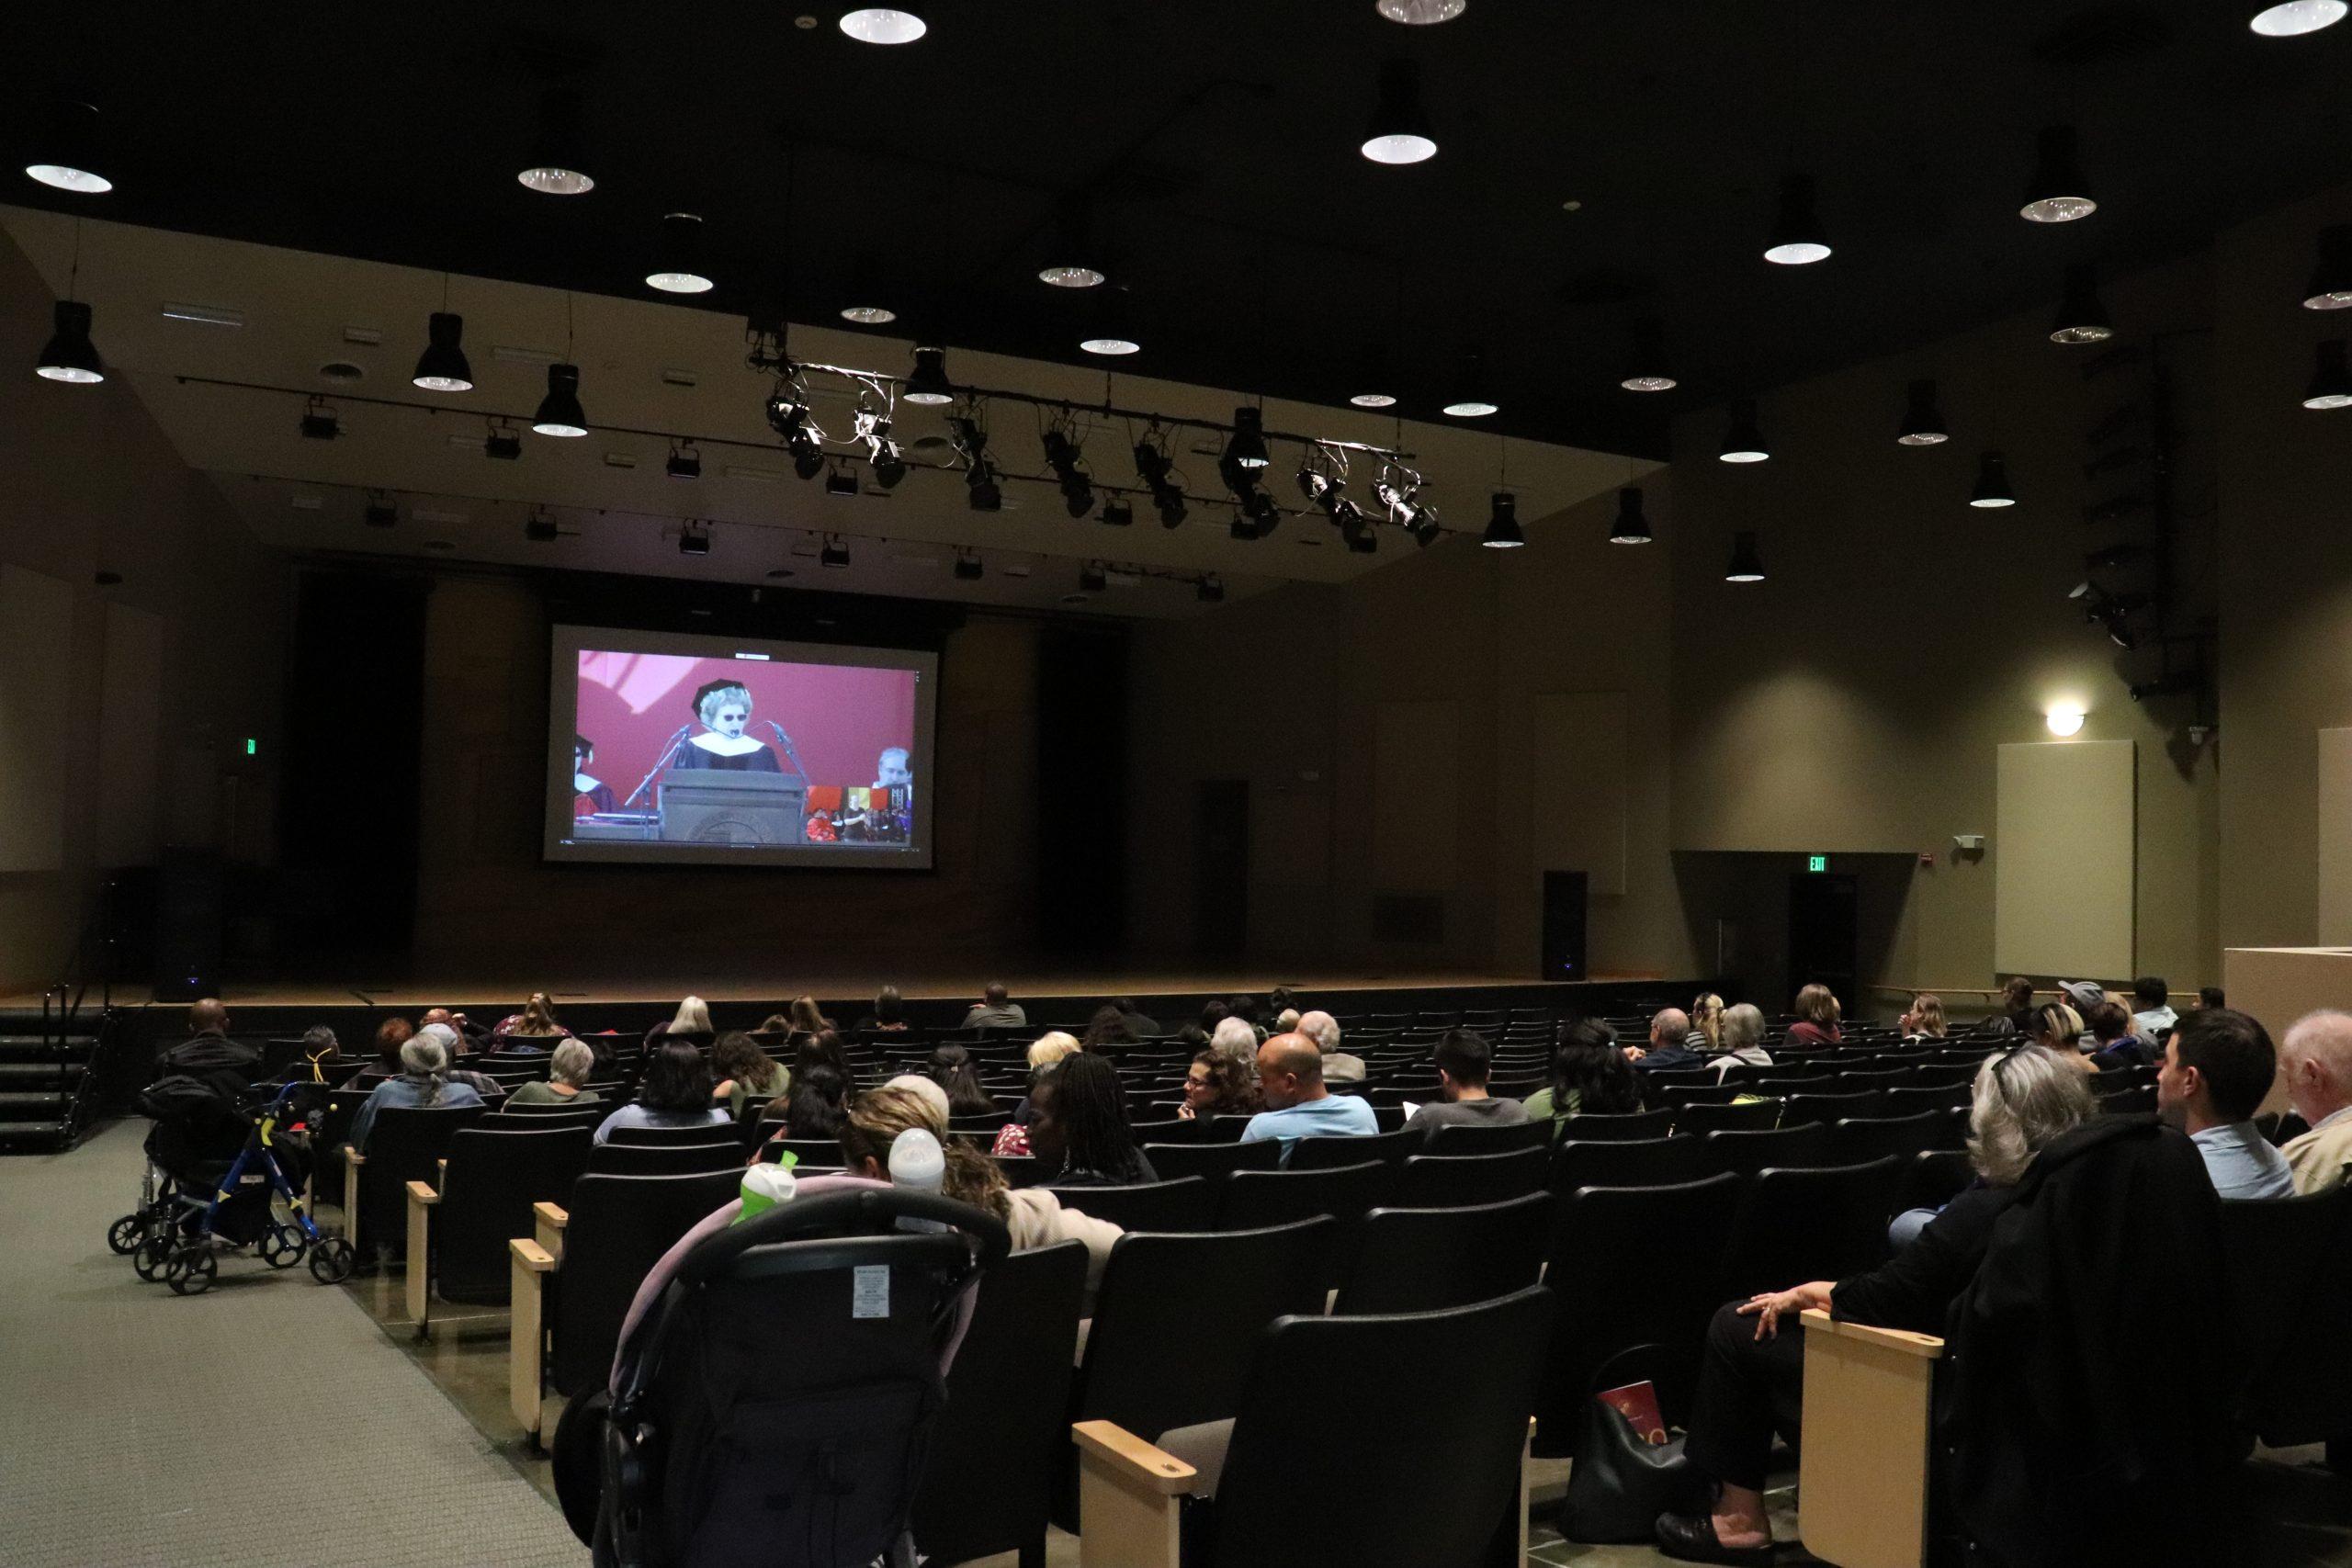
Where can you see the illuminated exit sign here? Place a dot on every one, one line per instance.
(1816, 863)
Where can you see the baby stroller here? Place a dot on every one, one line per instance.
(772, 1404)
(217, 1164)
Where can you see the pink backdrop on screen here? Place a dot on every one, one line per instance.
(841, 717)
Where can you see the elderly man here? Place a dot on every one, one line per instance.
(1290, 1073)
(996, 1010)
(1338, 1065)
(2317, 1062)
(1667, 1046)
(2218, 1066)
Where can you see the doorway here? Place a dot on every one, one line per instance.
(1822, 932)
(1221, 868)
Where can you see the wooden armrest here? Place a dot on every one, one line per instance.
(1898, 1339)
(418, 1192)
(417, 1283)
(550, 1220)
(1132, 1457)
(531, 1255)
(529, 1266)
(351, 1157)
(551, 1215)
(441, 1165)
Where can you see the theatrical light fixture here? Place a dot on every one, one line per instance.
(1797, 238)
(693, 539)
(1744, 438)
(839, 481)
(2330, 287)
(1421, 13)
(319, 421)
(380, 513)
(1076, 255)
(502, 444)
(2331, 386)
(2063, 719)
(881, 24)
(540, 526)
(1923, 420)
(559, 411)
(1113, 332)
(1247, 446)
(66, 157)
(834, 554)
(1092, 579)
(865, 294)
(1359, 531)
(1400, 126)
(967, 565)
(1152, 466)
(1116, 513)
(1746, 565)
(554, 168)
(981, 489)
(2081, 317)
(70, 356)
(1503, 532)
(686, 461)
(442, 367)
(1211, 591)
(928, 385)
(1992, 483)
(787, 407)
(1473, 397)
(2297, 17)
(1649, 370)
(1631, 528)
(888, 464)
(1062, 456)
(1374, 381)
(2057, 193)
(677, 267)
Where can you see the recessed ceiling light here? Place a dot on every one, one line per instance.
(1572, 205)
(2331, 383)
(880, 24)
(869, 315)
(2058, 192)
(2296, 17)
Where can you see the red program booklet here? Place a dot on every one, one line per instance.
(1637, 1403)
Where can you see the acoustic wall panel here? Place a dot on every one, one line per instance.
(39, 734)
(2334, 927)
(1572, 756)
(130, 737)
(2064, 854)
(1418, 804)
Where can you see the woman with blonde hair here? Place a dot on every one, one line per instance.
(1817, 1013)
(2059, 1027)
(1706, 1034)
(1045, 1054)
(808, 1022)
(536, 1022)
(1926, 1019)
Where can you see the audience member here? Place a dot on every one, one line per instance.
(674, 1092)
(1078, 1126)
(534, 1024)
(1924, 1020)
(743, 1070)
(2017, 1007)
(390, 1035)
(1281, 1000)
(1463, 1061)
(2083, 996)
(1669, 1047)
(1818, 1014)
(2218, 1068)
(1324, 1030)
(824, 1046)
(1706, 1024)
(1108, 1027)
(1286, 1021)
(917, 1084)
(1212, 1012)
(1235, 1041)
(423, 1081)
(1742, 1037)
(1217, 1086)
(1589, 1075)
(1245, 1007)
(462, 1029)
(1044, 1056)
(446, 1036)
(808, 1019)
(2113, 1047)
(2059, 1027)
(2316, 1058)
(1751, 1381)
(692, 1020)
(1139, 1023)
(950, 1069)
(996, 1010)
(2152, 1011)
(320, 1051)
(1290, 1075)
(2211, 997)
(568, 1067)
(816, 1104)
(207, 1016)
(888, 1017)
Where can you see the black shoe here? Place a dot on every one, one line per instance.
(1691, 1538)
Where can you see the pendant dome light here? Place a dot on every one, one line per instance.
(1747, 563)
(1992, 483)
(1631, 528)
(1400, 126)
(1744, 437)
(2330, 287)
(1473, 394)
(883, 25)
(70, 356)
(1374, 381)
(1923, 420)
(1113, 332)
(1503, 532)
(2331, 384)
(867, 294)
(1076, 261)
(555, 166)
(2296, 17)
(443, 368)
(2057, 193)
(677, 265)
(560, 412)
(1421, 13)
(2081, 317)
(929, 385)
(1648, 370)
(1797, 239)
(66, 157)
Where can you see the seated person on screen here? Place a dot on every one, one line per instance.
(724, 707)
(1464, 1060)
(589, 793)
(1290, 1075)
(2317, 1060)
(2217, 1067)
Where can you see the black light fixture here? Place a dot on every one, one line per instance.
(840, 480)
(1744, 437)
(555, 166)
(2081, 317)
(1092, 579)
(1631, 528)
(967, 565)
(981, 489)
(1113, 333)
(807, 454)
(1356, 528)
(1420, 521)
(1923, 419)
(1116, 513)
(1154, 467)
(678, 265)
(2330, 287)
(380, 512)
(539, 526)
(1992, 483)
(884, 23)
(694, 538)
(1503, 532)
(1374, 383)
(560, 412)
(1747, 564)
(2058, 193)
(1471, 397)
(1400, 131)
(2292, 18)
(686, 461)
(1797, 238)
(1648, 369)
(319, 421)
(888, 464)
(1211, 591)
(503, 444)
(929, 385)
(1247, 446)
(2331, 384)
(1062, 456)
(867, 294)
(1170, 504)
(442, 367)
(66, 157)
(835, 553)
(69, 355)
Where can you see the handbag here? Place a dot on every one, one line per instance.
(1618, 1481)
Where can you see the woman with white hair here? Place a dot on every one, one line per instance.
(423, 1081)
(1751, 1380)
(1739, 1035)
(723, 707)
(569, 1065)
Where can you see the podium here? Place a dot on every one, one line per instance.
(700, 806)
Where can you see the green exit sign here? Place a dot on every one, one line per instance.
(1816, 863)
(253, 745)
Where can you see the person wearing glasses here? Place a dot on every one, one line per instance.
(1751, 1379)
(724, 707)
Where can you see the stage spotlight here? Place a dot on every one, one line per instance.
(1747, 564)
(70, 356)
(693, 539)
(539, 527)
(2331, 383)
(686, 461)
(1062, 456)
(1211, 591)
(883, 25)
(554, 158)
(502, 444)
(807, 454)
(559, 411)
(1798, 238)
(1503, 532)
(1171, 506)
(1400, 131)
(967, 565)
(1356, 528)
(2057, 193)
(2081, 317)
(836, 553)
(320, 422)
(888, 465)
(1992, 483)
(442, 367)
(1923, 419)
(839, 481)
(1744, 437)
(928, 385)
(1116, 513)
(1151, 465)
(678, 267)
(981, 489)
(1247, 446)
(1263, 512)
(1631, 528)
(380, 510)
(1091, 579)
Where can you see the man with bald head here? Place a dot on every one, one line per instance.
(1669, 1045)
(1298, 1105)
(208, 1017)
(2316, 1062)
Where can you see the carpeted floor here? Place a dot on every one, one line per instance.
(267, 1422)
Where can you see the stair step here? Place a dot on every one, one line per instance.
(20, 1105)
(41, 1073)
(34, 1138)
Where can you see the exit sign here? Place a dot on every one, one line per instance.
(1816, 863)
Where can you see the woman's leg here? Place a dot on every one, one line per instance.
(1747, 1391)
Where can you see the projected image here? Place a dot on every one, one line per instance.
(746, 750)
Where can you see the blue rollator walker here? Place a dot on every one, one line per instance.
(239, 1209)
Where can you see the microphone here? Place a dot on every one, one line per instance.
(782, 739)
(669, 749)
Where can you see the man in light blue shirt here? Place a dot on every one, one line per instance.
(1290, 1073)
(2217, 1067)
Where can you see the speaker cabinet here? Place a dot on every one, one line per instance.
(190, 915)
(1565, 897)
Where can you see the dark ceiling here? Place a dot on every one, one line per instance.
(1217, 143)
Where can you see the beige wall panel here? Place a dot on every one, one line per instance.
(1574, 752)
(2062, 856)
(130, 737)
(37, 728)
(1418, 810)
(2335, 836)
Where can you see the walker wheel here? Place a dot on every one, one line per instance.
(332, 1260)
(152, 1257)
(192, 1272)
(283, 1247)
(123, 1236)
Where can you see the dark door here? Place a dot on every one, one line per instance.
(1221, 868)
(1821, 933)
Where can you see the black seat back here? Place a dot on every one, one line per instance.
(1802, 1109)
(405, 1145)
(493, 1178)
(822, 1153)
(667, 1159)
(1188, 1203)
(1696, 1118)
(542, 1117)
(1306, 1385)
(1819, 1223)
(665, 1137)
(2290, 1269)
(1452, 1181)
(1593, 1128)
(1931, 1179)
(1390, 1149)
(1423, 1259)
(619, 1227)
(1213, 1162)
(1851, 1142)
(1253, 1200)
(1488, 1138)
(1647, 1162)
(1744, 1154)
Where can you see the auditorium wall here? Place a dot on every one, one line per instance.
(136, 719)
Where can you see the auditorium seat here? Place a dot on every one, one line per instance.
(1449, 1181)
(1931, 1179)
(2291, 1267)
(1640, 1162)
(805, 1151)
(524, 1118)
(1188, 1203)
(1693, 1119)
(1820, 1224)
(1253, 1200)
(405, 1145)
(1852, 1141)
(1423, 1259)
(1388, 1148)
(666, 1137)
(1593, 1126)
(1473, 1138)
(1212, 1161)
(1744, 1154)
(1676, 1096)
(459, 1226)
(1804, 1107)
(666, 1159)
